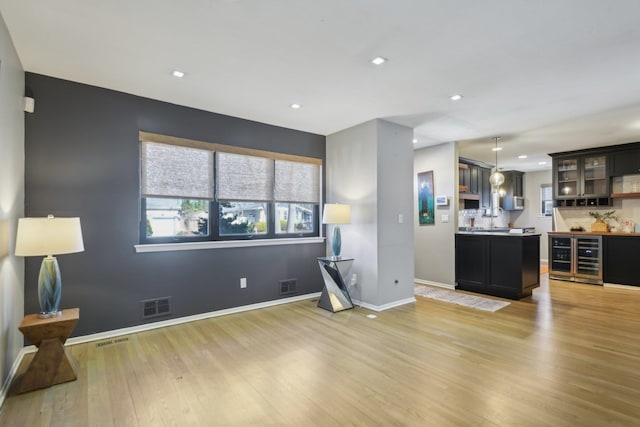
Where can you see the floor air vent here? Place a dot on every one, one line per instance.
(113, 341)
(155, 308)
(288, 286)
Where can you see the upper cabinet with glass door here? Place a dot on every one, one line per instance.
(581, 180)
(594, 176)
(567, 177)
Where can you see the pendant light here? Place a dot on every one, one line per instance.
(496, 178)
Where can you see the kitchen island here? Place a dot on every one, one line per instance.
(500, 264)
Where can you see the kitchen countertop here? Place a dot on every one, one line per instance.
(499, 233)
(597, 233)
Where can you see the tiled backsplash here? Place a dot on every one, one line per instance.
(626, 209)
(465, 217)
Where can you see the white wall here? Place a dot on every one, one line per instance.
(531, 215)
(369, 167)
(434, 244)
(11, 200)
(395, 199)
(351, 177)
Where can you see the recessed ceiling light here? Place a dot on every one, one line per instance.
(522, 156)
(496, 149)
(415, 140)
(177, 73)
(542, 163)
(456, 97)
(379, 60)
(295, 106)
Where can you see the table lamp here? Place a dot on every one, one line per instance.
(49, 236)
(335, 213)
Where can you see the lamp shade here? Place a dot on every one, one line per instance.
(48, 236)
(335, 213)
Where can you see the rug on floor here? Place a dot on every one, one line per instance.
(459, 298)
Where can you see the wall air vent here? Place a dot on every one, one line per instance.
(155, 308)
(288, 286)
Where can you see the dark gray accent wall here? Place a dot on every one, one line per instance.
(82, 159)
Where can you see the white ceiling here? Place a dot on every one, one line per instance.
(546, 76)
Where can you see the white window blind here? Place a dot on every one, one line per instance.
(241, 177)
(176, 171)
(546, 200)
(297, 182)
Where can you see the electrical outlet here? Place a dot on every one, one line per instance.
(354, 279)
(243, 282)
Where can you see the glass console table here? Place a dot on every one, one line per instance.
(335, 272)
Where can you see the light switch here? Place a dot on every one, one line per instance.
(400, 218)
(445, 218)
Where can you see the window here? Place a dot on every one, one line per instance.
(242, 218)
(195, 191)
(176, 217)
(294, 218)
(546, 200)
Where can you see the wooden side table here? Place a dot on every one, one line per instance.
(52, 363)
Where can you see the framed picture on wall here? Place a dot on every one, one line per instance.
(442, 201)
(425, 198)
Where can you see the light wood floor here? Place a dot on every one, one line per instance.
(568, 356)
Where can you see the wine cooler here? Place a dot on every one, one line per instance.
(576, 258)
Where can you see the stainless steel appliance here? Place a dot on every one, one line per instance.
(518, 203)
(576, 258)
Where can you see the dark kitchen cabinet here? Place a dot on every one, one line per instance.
(625, 162)
(474, 176)
(503, 265)
(513, 187)
(474, 179)
(621, 260)
(485, 188)
(469, 176)
(518, 184)
(581, 180)
(464, 176)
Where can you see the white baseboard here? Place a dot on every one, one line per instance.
(438, 284)
(12, 373)
(147, 327)
(385, 306)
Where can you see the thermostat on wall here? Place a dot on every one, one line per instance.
(442, 201)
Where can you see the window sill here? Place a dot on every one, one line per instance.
(192, 246)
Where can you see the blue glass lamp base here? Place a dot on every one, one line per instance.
(336, 243)
(49, 288)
